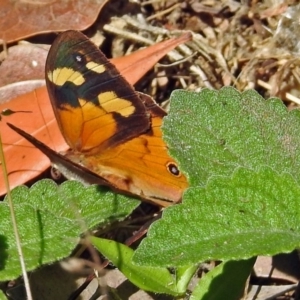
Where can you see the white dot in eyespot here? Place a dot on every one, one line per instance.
(173, 169)
(78, 58)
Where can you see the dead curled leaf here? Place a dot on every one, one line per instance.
(21, 19)
(23, 62)
(16, 89)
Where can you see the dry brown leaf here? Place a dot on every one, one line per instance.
(21, 19)
(16, 89)
(24, 62)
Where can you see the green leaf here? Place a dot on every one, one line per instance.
(157, 280)
(226, 281)
(214, 132)
(50, 219)
(2, 296)
(252, 213)
(247, 151)
(184, 275)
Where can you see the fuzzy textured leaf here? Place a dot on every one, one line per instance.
(252, 213)
(50, 219)
(246, 150)
(214, 132)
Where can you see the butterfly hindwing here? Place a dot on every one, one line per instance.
(141, 165)
(96, 108)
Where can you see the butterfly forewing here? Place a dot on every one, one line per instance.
(96, 108)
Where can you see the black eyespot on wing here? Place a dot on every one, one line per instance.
(173, 169)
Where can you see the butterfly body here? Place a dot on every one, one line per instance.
(113, 131)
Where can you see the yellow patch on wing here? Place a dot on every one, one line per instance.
(61, 75)
(95, 67)
(112, 103)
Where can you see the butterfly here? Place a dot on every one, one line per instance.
(114, 132)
